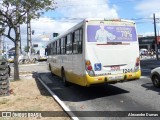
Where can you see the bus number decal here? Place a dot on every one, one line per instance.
(127, 70)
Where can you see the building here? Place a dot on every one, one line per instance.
(148, 42)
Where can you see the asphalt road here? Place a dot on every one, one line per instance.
(139, 95)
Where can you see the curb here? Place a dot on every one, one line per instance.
(61, 103)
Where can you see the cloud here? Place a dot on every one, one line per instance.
(147, 7)
(92, 8)
(70, 12)
(48, 25)
(44, 26)
(67, 14)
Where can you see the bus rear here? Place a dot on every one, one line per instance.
(112, 51)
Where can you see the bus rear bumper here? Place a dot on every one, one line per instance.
(113, 78)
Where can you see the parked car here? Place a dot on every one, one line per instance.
(155, 76)
(143, 51)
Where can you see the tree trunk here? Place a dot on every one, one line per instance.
(16, 68)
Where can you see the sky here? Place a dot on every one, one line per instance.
(70, 12)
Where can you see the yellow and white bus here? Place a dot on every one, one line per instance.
(96, 51)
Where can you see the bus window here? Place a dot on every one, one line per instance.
(69, 44)
(54, 48)
(63, 46)
(58, 47)
(80, 41)
(77, 42)
(51, 49)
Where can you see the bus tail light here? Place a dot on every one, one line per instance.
(89, 68)
(88, 63)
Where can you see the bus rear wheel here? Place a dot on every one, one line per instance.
(65, 82)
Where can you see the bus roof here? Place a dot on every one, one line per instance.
(107, 19)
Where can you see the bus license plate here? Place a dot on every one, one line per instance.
(115, 78)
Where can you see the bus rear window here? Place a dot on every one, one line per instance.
(104, 31)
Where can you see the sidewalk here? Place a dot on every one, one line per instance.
(28, 94)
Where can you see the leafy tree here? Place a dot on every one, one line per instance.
(16, 12)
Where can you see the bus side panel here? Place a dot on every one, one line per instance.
(55, 66)
(77, 74)
(77, 68)
(76, 79)
(73, 67)
(66, 64)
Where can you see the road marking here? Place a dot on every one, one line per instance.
(70, 113)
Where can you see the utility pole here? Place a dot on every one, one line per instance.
(29, 43)
(155, 32)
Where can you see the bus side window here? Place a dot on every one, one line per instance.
(63, 45)
(51, 48)
(72, 40)
(54, 48)
(69, 44)
(77, 41)
(58, 47)
(80, 41)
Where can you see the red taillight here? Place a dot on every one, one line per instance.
(137, 64)
(89, 68)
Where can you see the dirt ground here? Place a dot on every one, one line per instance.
(28, 94)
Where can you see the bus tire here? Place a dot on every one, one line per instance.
(65, 82)
(50, 68)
